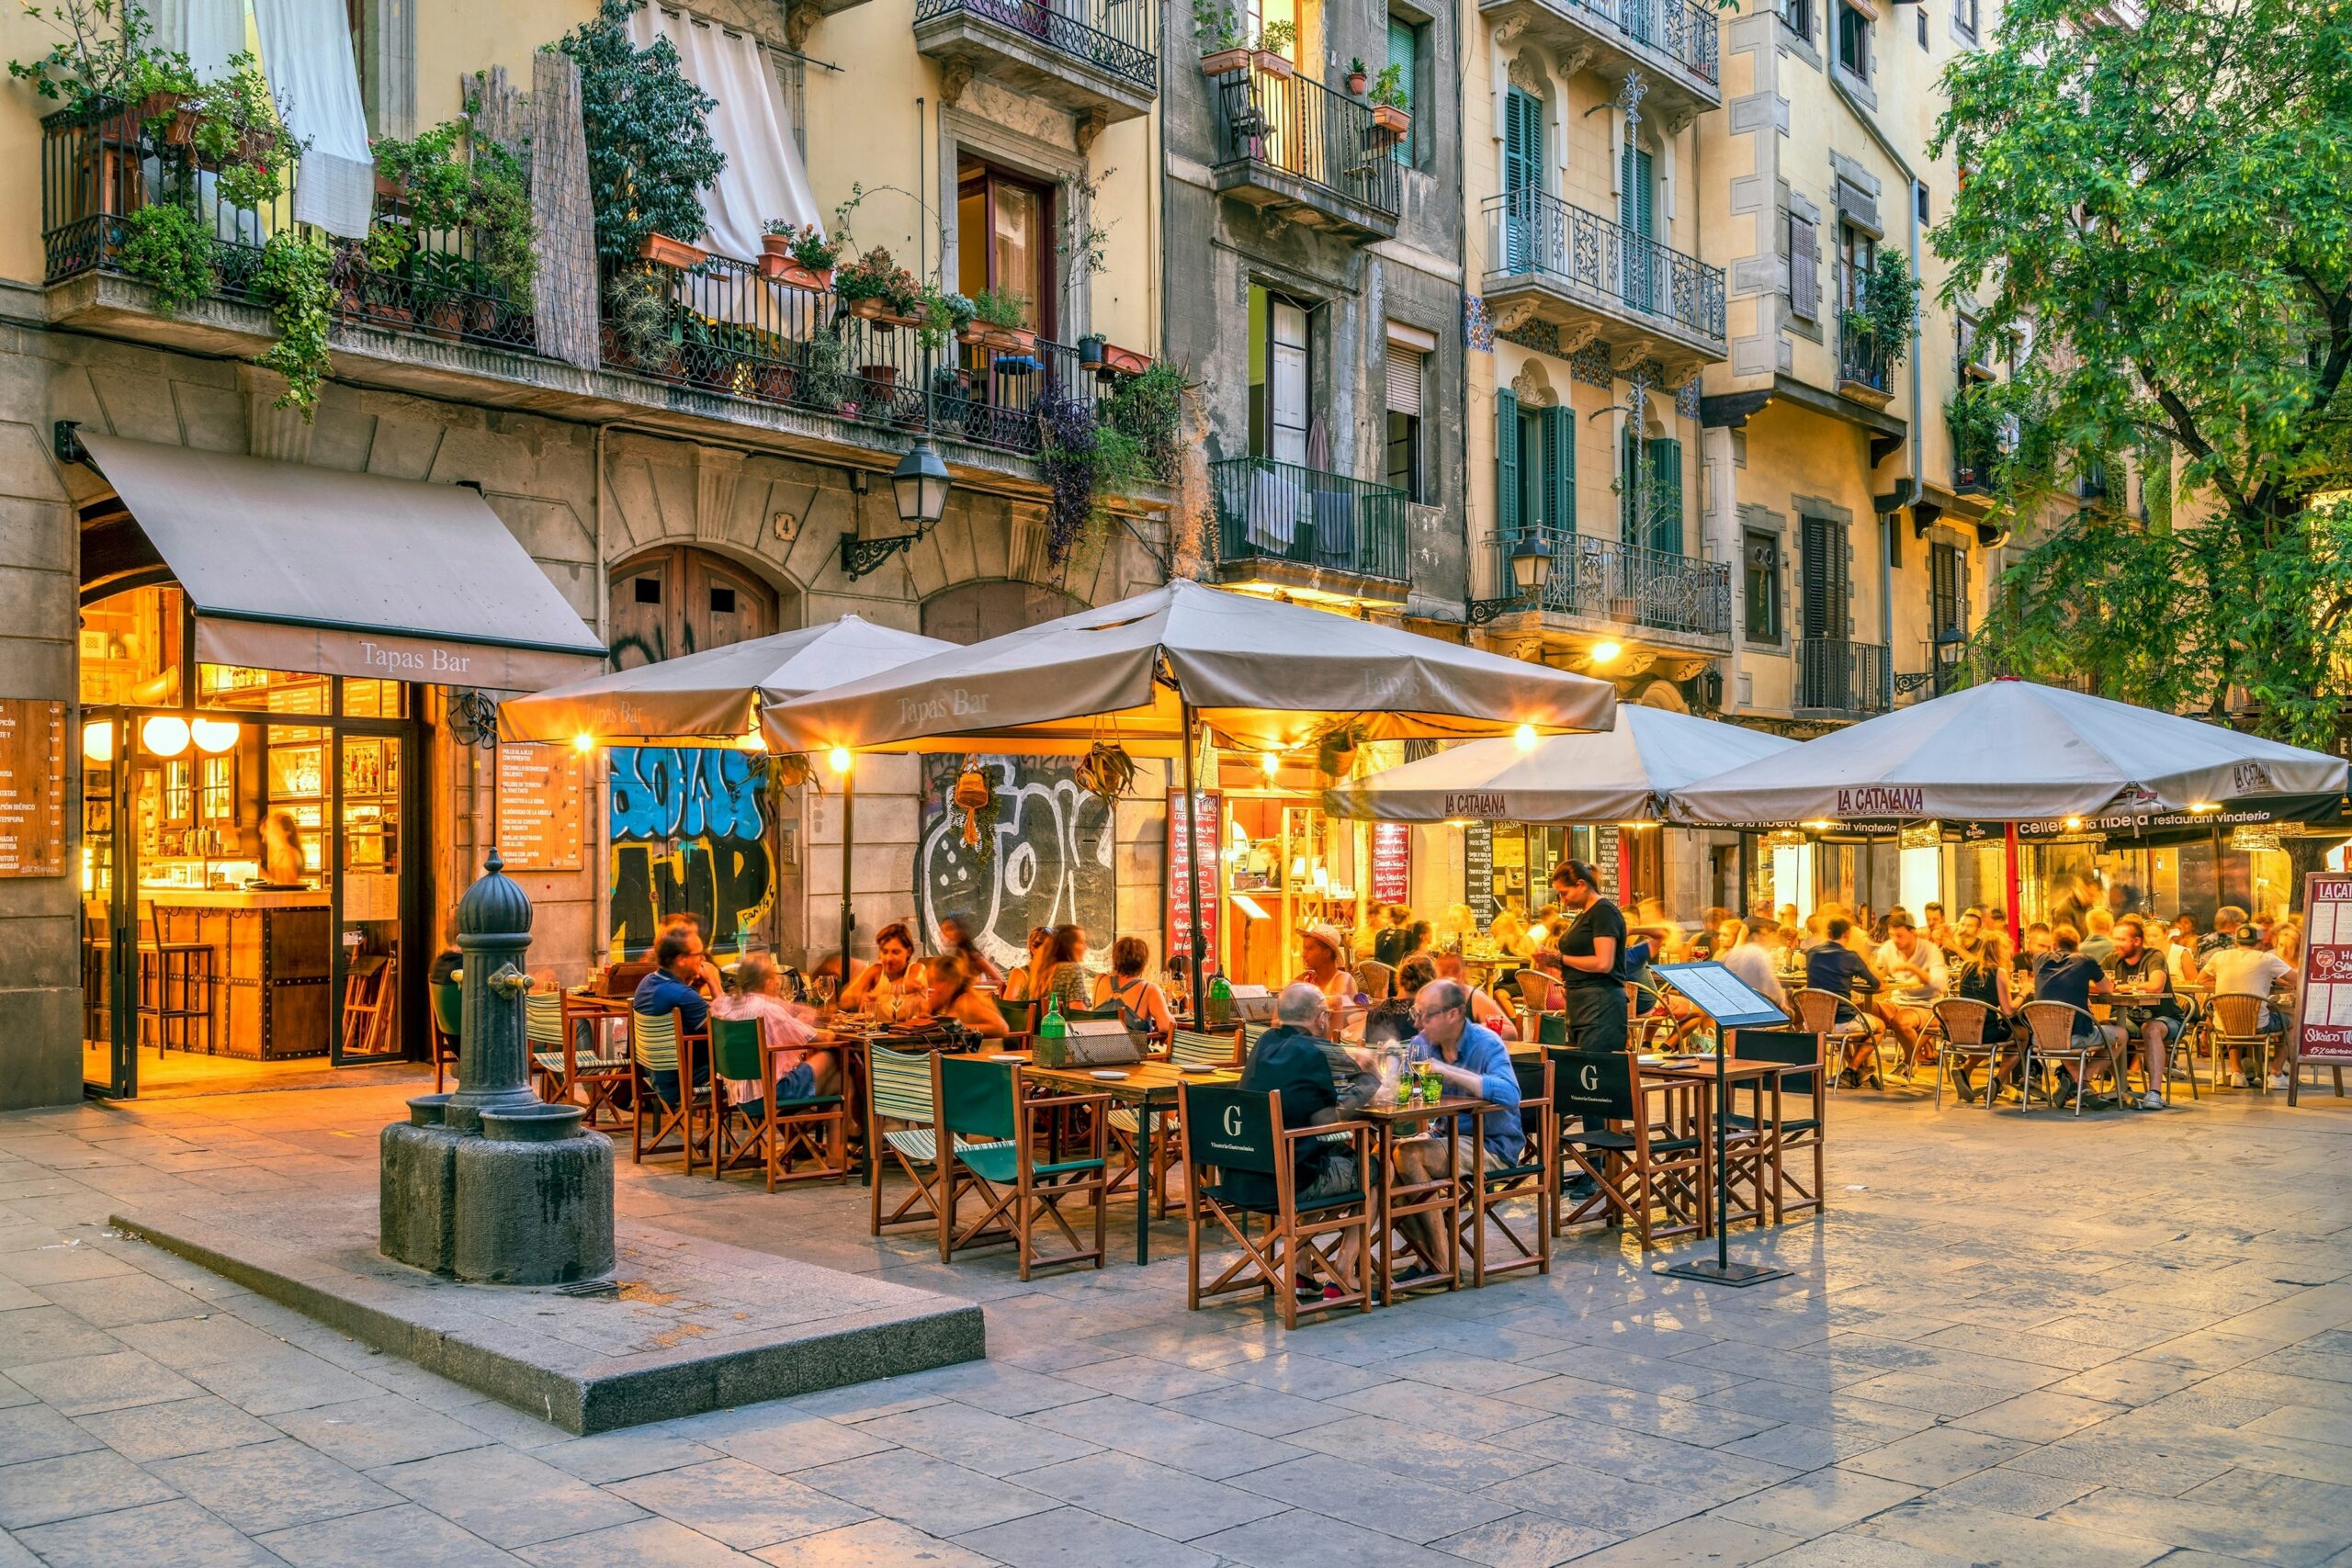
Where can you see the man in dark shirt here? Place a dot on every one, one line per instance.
(1834, 967)
(2065, 975)
(669, 989)
(2141, 972)
(1290, 1060)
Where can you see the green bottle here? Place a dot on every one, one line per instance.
(1053, 1032)
(1220, 1003)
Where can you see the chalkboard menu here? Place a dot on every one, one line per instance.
(540, 795)
(1478, 871)
(32, 788)
(1207, 811)
(1392, 863)
(1607, 856)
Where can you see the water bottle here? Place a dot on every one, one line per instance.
(1052, 1034)
(1220, 1003)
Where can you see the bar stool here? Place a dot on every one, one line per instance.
(175, 982)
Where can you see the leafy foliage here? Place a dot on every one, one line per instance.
(1147, 411)
(1387, 90)
(164, 246)
(498, 210)
(2156, 215)
(101, 54)
(1889, 307)
(650, 149)
(1069, 454)
(240, 131)
(1000, 308)
(430, 169)
(295, 277)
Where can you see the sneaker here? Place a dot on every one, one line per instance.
(1849, 1078)
(2279, 1080)
(2151, 1100)
(2236, 1080)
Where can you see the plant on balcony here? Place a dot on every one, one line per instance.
(295, 279)
(505, 231)
(1148, 409)
(945, 313)
(102, 59)
(240, 132)
(1069, 454)
(1356, 76)
(642, 313)
(650, 150)
(1977, 425)
(165, 246)
(1222, 36)
(1389, 102)
(1005, 316)
(429, 173)
(876, 287)
(823, 374)
(1275, 41)
(1890, 303)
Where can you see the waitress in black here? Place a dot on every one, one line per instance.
(1592, 950)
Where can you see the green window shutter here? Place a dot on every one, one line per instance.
(1665, 495)
(1629, 491)
(1507, 467)
(1559, 473)
(1522, 142)
(1404, 51)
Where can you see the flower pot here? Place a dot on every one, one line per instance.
(884, 376)
(391, 316)
(667, 251)
(1268, 63)
(1011, 340)
(446, 318)
(780, 268)
(1391, 119)
(482, 317)
(971, 334)
(1090, 351)
(1355, 83)
(1126, 361)
(772, 383)
(1225, 62)
(173, 109)
(389, 188)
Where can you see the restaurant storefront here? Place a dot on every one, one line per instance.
(261, 647)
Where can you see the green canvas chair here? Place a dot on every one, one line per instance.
(1229, 1132)
(982, 1101)
(773, 1134)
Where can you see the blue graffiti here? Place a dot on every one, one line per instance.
(685, 792)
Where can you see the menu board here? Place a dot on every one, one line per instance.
(1608, 859)
(2324, 1031)
(541, 791)
(1722, 995)
(1208, 818)
(1392, 863)
(32, 788)
(1478, 871)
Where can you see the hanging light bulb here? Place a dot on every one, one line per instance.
(214, 736)
(1606, 652)
(165, 735)
(838, 759)
(1271, 762)
(98, 740)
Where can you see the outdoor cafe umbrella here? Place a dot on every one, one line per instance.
(1264, 675)
(2006, 751)
(713, 698)
(1617, 775)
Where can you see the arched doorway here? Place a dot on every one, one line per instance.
(679, 599)
(973, 612)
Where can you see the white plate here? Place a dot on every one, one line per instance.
(1008, 1056)
(1199, 1067)
(1650, 1061)
(1106, 1075)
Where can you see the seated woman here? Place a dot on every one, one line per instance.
(1058, 974)
(1018, 985)
(955, 941)
(802, 1071)
(887, 988)
(1143, 1006)
(949, 998)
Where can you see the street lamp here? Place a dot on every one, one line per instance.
(920, 483)
(1530, 562)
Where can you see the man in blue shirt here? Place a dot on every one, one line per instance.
(667, 989)
(1832, 967)
(1470, 1061)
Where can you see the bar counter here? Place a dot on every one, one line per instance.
(270, 952)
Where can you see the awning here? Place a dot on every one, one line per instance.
(290, 566)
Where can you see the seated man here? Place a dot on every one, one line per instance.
(2065, 975)
(670, 988)
(1834, 967)
(1471, 1060)
(1290, 1060)
(2141, 974)
(2239, 970)
(1916, 978)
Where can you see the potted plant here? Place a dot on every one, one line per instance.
(437, 284)
(1148, 410)
(1003, 314)
(944, 314)
(800, 255)
(1125, 361)
(651, 153)
(664, 251)
(1091, 349)
(295, 279)
(876, 289)
(642, 318)
(1356, 76)
(504, 230)
(1388, 101)
(166, 247)
(239, 132)
(1216, 29)
(1275, 41)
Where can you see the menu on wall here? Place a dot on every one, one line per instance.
(1608, 857)
(540, 795)
(2324, 1031)
(32, 788)
(1478, 871)
(1392, 863)
(1207, 814)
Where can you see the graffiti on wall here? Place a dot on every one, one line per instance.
(1048, 859)
(689, 828)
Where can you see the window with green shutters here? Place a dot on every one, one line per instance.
(1405, 54)
(1507, 467)
(1650, 513)
(1522, 177)
(1559, 432)
(1637, 217)
(1535, 475)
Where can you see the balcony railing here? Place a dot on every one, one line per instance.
(1682, 30)
(1532, 233)
(1121, 37)
(1603, 580)
(722, 328)
(1834, 676)
(1279, 512)
(100, 167)
(1309, 131)
(1861, 358)
(1972, 462)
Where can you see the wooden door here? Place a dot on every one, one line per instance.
(681, 600)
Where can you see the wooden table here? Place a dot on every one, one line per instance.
(1764, 1078)
(595, 1009)
(1439, 1198)
(1150, 1089)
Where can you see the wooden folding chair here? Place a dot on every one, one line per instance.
(902, 1117)
(984, 1100)
(1186, 1048)
(2050, 1040)
(1796, 1135)
(660, 1043)
(777, 1132)
(1535, 1174)
(449, 1025)
(1232, 1133)
(1637, 1173)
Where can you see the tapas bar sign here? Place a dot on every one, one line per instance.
(540, 793)
(32, 788)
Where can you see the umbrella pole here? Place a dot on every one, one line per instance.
(2013, 894)
(849, 818)
(1193, 874)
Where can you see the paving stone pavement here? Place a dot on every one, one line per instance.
(2117, 1341)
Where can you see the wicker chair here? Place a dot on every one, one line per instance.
(1963, 1025)
(2051, 1038)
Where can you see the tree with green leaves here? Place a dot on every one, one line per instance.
(2155, 217)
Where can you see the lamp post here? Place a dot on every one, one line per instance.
(1531, 563)
(919, 486)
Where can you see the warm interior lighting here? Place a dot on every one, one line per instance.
(214, 736)
(838, 759)
(2073, 824)
(165, 735)
(750, 741)
(1821, 827)
(1539, 933)
(1269, 762)
(2204, 805)
(98, 740)
(1298, 868)
(1525, 735)
(584, 742)
(1607, 652)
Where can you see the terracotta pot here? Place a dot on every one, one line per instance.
(1268, 63)
(1225, 62)
(482, 317)
(446, 318)
(772, 383)
(1126, 361)
(1011, 340)
(972, 334)
(883, 375)
(671, 253)
(1391, 119)
(1355, 83)
(389, 188)
(775, 244)
(778, 268)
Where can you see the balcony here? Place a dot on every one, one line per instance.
(1602, 588)
(1672, 43)
(1836, 679)
(1600, 282)
(1863, 368)
(1295, 147)
(1094, 58)
(1282, 528)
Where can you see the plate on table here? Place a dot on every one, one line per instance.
(1199, 1067)
(1106, 1075)
(1010, 1056)
(1650, 1059)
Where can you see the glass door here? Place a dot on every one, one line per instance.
(109, 947)
(369, 891)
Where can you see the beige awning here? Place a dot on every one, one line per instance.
(290, 567)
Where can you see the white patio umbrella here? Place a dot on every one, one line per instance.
(1616, 776)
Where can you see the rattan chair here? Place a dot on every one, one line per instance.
(1963, 1025)
(2236, 1025)
(1817, 1012)
(2050, 1040)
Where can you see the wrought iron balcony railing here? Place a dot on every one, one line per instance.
(1532, 233)
(722, 328)
(1121, 37)
(1861, 358)
(101, 166)
(1835, 676)
(1309, 131)
(1270, 510)
(1624, 585)
(1682, 30)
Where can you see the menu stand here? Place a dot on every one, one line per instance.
(1732, 1003)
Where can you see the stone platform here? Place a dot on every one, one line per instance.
(688, 1325)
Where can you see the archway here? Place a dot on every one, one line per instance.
(973, 612)
(676, 599)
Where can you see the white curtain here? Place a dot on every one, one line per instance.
(306, 49)
(764, 178)
(207, 31)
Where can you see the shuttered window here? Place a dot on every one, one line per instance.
(1506, 518)
(1665, 496)
(1522, 179)
(1404, 421)
(1403, 52)
(1404, 381)
(1947, 586)
(1804, 270)
(1822, 573)
(1559, 426)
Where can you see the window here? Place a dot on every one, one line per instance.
(1857, 255)
(1804, 270)
(1280, 376)
(1854, 42)
(1407, 368)
(1797, 16)
(1405, 54)
(1004, 239)
(1762, 563)
(1947, 593)
(1923, 26)
(1535, 472)
(1963, 16)
(1919, 199)
(1649, 487)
